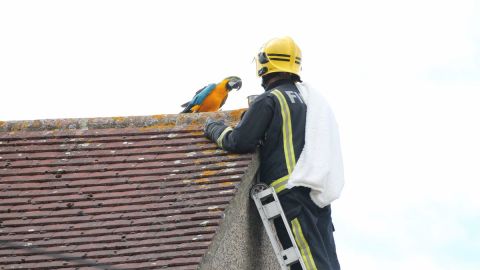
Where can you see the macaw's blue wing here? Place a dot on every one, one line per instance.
(196, 93)
(199, 97)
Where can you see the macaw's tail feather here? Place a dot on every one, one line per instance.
(185, 104)
(186, 110)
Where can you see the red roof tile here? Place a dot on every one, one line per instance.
(121, 193)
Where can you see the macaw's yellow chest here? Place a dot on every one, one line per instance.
(213, 101)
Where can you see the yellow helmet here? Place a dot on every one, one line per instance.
(279, 55)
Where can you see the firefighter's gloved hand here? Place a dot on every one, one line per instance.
(209, 122)
(211, 127)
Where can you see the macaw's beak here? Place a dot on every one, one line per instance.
(234, 83)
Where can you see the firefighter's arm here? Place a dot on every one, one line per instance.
(248, 133)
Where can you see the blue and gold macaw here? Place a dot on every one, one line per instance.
(212, 97)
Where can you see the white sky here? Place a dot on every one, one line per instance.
(403, 78)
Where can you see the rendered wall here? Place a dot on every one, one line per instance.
(241, 241)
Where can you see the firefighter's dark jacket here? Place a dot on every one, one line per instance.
(266, 124)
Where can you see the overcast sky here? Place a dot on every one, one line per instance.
(403, 78)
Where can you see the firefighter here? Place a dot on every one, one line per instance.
(275, 123)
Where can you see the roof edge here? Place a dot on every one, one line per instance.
(153, 121)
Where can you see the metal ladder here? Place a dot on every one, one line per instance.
(269, 208)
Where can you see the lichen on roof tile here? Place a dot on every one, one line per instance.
(184, 121)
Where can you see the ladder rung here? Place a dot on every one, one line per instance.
(264, 193)
(289, 256)
(272, 210)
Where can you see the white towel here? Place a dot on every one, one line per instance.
(320, 166)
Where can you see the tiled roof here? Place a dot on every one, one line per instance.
(112, 193)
